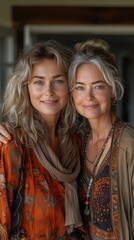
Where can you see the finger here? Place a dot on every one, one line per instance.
(4, 133)
(3, 139)
(8, 128)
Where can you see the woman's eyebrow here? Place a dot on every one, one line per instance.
(36, 76)
(79, 83)
(42, 77)
(98, 81)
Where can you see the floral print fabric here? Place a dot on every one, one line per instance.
(43, 202)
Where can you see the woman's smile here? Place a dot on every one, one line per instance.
(48, 88)
(92, 95)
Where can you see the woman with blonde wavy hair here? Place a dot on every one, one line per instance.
(39, 166)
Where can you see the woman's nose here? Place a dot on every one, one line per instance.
(89, 93)
(48, 89)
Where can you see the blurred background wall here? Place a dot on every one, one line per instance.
(6, 5)
(24, 22)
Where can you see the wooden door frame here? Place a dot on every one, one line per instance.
(68, 15)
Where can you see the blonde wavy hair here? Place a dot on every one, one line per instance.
(17, 108)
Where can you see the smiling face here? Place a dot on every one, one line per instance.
(48, 88)
(91, 94)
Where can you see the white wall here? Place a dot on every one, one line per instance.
(5, 6)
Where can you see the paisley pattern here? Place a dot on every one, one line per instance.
(103, 221)
(31, 202)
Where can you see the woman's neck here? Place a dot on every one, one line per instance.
(101, 127)
(51, 124)
(53, 136)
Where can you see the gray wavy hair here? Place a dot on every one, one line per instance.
(97, 52)
(17, 107)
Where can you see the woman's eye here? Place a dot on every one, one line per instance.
(79, 88)
(100, 86)
(40, 83)
(58, 82)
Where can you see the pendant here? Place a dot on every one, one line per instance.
(86, 211)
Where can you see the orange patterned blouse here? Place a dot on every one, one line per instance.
(31, 201)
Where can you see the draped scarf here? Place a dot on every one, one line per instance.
(65, 172)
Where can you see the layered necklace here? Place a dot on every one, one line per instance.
(88, 194)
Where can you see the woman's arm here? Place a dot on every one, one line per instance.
(11, 156)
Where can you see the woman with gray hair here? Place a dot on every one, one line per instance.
(39, 166)
(106, 182)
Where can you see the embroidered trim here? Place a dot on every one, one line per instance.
(115, 177)
(115, 207)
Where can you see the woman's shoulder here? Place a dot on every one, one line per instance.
(127, 137)
(11, 154)
(126, 146)
(11, 145)
(128, 132)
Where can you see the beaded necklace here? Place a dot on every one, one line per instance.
(88, 194)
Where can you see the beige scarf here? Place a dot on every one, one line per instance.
(67, 174)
